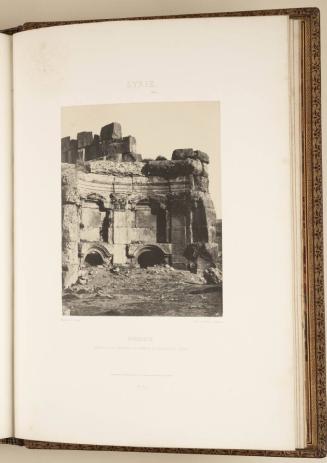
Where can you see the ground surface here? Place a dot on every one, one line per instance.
(155, 291)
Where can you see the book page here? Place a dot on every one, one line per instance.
(6, 429)
(171, 138)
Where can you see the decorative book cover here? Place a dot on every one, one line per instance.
(313, 243)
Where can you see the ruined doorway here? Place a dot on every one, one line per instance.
(150, 257)
(161, 226)
(94, 259)
(199, 224)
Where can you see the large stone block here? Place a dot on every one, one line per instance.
(111, 131)
(70, 237)
(201, 156)
(189, 153)
(123, 180)
(65, 144)
(117, 157)
(69, 190)
(119, 254)
(81, 154)
(173, 169)
(68, 150)
(143, 235)
(145, 219)
(93, 151)
(201, 184)
(129, 144)
(182, 153)
(116, 169)
(120, 235)
(126, 145)
(84, 139)
(119, 219)
(178, 223)
(90, 222)
(123, 185)
(132, 157)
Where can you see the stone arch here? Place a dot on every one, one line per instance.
(97, 255)
(149, 255)
(94, 258)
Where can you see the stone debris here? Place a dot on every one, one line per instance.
(158, 290)
(213, 275)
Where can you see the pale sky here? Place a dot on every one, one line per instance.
(159, 128)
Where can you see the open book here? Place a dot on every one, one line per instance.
(161, 235)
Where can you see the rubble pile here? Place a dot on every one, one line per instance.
(156, 290)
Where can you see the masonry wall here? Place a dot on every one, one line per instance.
(118, 205)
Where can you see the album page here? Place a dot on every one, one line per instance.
(5, 238)
(153, 234)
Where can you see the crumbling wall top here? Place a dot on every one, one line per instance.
(111, 146)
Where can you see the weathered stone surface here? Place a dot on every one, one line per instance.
(201, 156)
(69, 191)
(125, 145)
(213, 276)
(68, 150)
(65, 144)
(81, 155)
(114, 168)
(207, 251)
(201, 183)
(132, 157)
(182, 153)
(90, 224)
(189, 153)
(70, 239)
(84, 139)
(93, 151)
(111, 131)
(173, 169)
(205, 172)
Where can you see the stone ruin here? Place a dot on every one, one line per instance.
(118, 209)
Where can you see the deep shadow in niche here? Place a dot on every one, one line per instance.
(150, 257)
(93, 259)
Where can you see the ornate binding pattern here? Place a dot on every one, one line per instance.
(313, 247)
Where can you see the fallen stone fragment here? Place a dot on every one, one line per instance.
(213, 276)
(115, 270)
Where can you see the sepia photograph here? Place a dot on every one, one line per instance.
(141, 210)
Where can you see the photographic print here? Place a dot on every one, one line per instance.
(141, 210)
